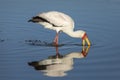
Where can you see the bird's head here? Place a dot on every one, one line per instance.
(78, 34)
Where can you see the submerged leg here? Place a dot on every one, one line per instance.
(58, 55)
(57, 52)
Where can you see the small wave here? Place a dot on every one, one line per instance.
(49, 44)
(2, 40)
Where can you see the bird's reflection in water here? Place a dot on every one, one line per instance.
(57, 65)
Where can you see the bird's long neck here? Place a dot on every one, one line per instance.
(75, 34)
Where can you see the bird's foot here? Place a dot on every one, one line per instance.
(55, 44)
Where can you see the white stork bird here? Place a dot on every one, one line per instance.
(59, 21)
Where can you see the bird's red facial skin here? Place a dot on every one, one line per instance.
(84, 36)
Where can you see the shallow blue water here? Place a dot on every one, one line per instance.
(22, 42)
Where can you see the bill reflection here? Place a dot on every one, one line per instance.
(58, 65)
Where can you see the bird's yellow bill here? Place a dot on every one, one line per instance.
(86, 41)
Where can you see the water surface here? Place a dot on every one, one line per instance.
(22, 42)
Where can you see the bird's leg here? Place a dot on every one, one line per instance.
(56, 39)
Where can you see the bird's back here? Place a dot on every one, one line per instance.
(58, 18)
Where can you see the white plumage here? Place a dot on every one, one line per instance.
(59, 21)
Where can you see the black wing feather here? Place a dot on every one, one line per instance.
(37, 19)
